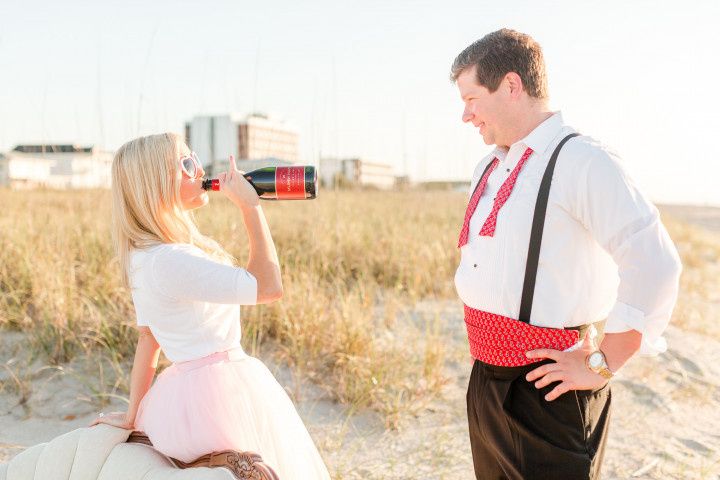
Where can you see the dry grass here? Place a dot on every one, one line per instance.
(350, 261)
(699, 298)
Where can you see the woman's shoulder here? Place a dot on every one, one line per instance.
(162, 256)
(165, 251)
(161, 248)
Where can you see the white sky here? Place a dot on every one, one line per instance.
(366, 78)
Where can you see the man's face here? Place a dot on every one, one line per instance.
(485, 110)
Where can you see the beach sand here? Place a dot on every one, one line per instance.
(665, 423)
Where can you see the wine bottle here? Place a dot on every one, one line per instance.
(278, 183)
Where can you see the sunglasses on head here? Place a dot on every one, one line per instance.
(190, 165)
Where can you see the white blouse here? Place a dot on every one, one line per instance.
(605, 253)
(190, 302)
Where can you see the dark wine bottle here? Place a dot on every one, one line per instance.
(278, 183)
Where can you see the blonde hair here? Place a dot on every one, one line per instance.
(146, 205)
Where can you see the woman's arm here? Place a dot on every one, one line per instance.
(147, 354)
(143, 371)
(263, 263)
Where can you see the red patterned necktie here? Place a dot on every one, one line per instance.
(488, 228)
(482, 183)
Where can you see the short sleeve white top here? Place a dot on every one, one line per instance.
(190, 302)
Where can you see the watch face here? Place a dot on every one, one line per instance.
(595, 360)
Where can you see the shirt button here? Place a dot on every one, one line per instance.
(475, 265)
(508, 170)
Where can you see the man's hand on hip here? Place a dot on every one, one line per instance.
(569, 368)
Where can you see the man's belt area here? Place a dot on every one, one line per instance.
(503, 341)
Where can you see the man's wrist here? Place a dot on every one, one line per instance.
(597, 362)
(620, 347)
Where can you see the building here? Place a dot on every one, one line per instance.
(250, 165)
(454, 185)
(254, 137)
(260, 137)
(55, 166)
(355, 172)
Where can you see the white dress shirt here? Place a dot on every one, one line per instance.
(605, 253)
(190, 302)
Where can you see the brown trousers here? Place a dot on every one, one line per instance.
(516, 434)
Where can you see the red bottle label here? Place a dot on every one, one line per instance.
(290, 183)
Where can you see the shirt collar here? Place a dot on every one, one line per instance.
(543, 134)
(539, 139)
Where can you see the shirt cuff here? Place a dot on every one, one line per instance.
(623, 318)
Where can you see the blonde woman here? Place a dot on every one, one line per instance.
(187, 295)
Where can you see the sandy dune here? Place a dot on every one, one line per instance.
(665, 425)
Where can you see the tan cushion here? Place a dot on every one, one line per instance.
(99, 453)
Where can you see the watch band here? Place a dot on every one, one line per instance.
(606, 373)
(603, 369)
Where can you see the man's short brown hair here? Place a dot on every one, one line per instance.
(501, 52)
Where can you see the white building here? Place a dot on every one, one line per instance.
(250, 165)
(356, 171)
(254, 137)
(55, 166)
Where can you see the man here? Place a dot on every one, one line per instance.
(557, 242)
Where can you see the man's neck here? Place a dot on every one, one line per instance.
(527, 123)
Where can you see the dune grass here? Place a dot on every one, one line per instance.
(699, 297)
(352, 261)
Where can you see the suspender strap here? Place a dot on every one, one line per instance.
(536, 234)
(481, 176)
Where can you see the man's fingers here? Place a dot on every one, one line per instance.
(540, 371)
(557, 391)
(544, 353)
(233, 167)
(548, 379)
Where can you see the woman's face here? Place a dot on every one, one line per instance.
(192, 194)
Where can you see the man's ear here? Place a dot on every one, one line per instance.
(514, 85)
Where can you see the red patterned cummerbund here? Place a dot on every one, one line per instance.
(503, 341)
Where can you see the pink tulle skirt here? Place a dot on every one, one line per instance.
(228, 401)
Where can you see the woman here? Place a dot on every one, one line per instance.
(187, 295)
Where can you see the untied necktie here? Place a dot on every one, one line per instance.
(488, 228)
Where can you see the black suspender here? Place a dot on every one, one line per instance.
(536, 234)
(481, 176)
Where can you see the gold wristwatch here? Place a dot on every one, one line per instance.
(596, 362)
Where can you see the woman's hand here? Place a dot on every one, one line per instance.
(569, 369)
(116, 419)
(234, 185)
